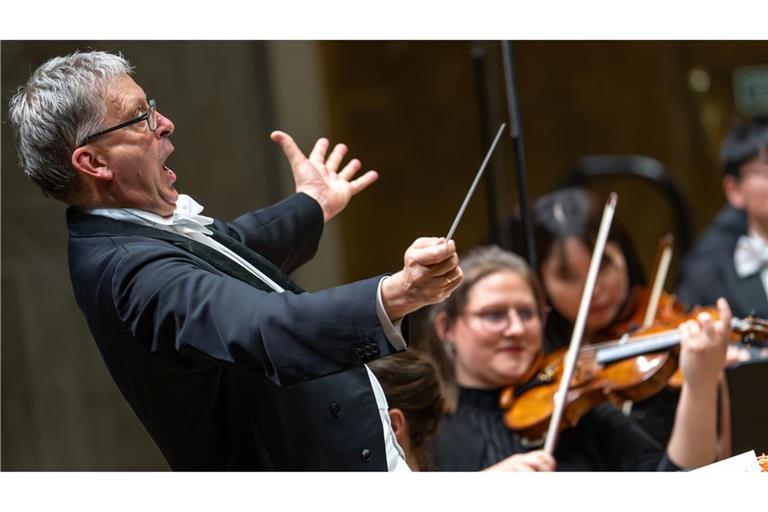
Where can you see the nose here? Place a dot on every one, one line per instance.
(165, 126)
(601, 285)
(515, 326)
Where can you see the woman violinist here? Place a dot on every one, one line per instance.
(493, 323)
(565, 226)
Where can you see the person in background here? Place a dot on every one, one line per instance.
(416, 405)
(731, 259)
(565, 227)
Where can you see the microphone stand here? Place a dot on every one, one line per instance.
(516, 134)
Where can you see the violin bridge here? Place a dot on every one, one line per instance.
(531, 443)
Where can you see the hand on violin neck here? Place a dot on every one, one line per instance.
(320, 178)
(704, 343)
(430, 273)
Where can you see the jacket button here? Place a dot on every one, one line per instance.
(335, 409)
(366, 455)
(374, 348)
(367, 351)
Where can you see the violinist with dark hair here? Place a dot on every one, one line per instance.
(493, 326)
(565, 226)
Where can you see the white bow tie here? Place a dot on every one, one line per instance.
(750, 256)
(187, 215)
(185, 219)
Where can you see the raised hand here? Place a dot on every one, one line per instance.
(319, 177)
(430, 273)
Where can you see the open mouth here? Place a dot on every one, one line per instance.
(168, 170)
(170, 173)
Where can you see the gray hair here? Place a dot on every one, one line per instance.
(61, 104)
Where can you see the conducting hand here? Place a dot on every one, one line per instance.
(430, 273)
(317, 175)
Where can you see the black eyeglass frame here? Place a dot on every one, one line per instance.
(145, 116)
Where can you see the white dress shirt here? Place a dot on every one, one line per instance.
(751, 257)
(187, 221)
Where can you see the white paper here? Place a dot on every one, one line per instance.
(742, 463)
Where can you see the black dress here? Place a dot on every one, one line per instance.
(474, 437)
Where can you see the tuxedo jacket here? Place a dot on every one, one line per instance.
(708, 272)
(224, 373)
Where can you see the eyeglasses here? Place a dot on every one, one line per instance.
(150, 116)
(498, 320)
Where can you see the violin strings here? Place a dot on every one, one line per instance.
(634, 345)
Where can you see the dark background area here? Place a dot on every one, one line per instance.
(408, 110)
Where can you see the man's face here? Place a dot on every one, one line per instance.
(136, 155)
(750, 191)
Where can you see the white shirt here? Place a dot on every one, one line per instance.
(187, 221)
(751, 257)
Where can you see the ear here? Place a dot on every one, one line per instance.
(87, 161)
(442, 327)
(399, 426)
(732, 191)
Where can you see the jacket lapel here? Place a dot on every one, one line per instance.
(255, 259)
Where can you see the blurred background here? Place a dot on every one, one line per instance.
(422, 113)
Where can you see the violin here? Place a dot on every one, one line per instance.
(669, 314)
(628, 368)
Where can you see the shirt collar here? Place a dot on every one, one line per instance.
(750, 255)
(185, 218)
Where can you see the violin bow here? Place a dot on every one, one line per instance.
(578, 328)
(474, 184)
(661, 269)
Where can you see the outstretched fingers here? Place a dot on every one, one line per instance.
(289, 147)
(363, 182)
(317, 156)
(349, 170)
(335, 158)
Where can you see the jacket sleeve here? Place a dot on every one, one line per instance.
(173, 304)
(286, 233)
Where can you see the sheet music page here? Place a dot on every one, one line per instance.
(742, 463)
